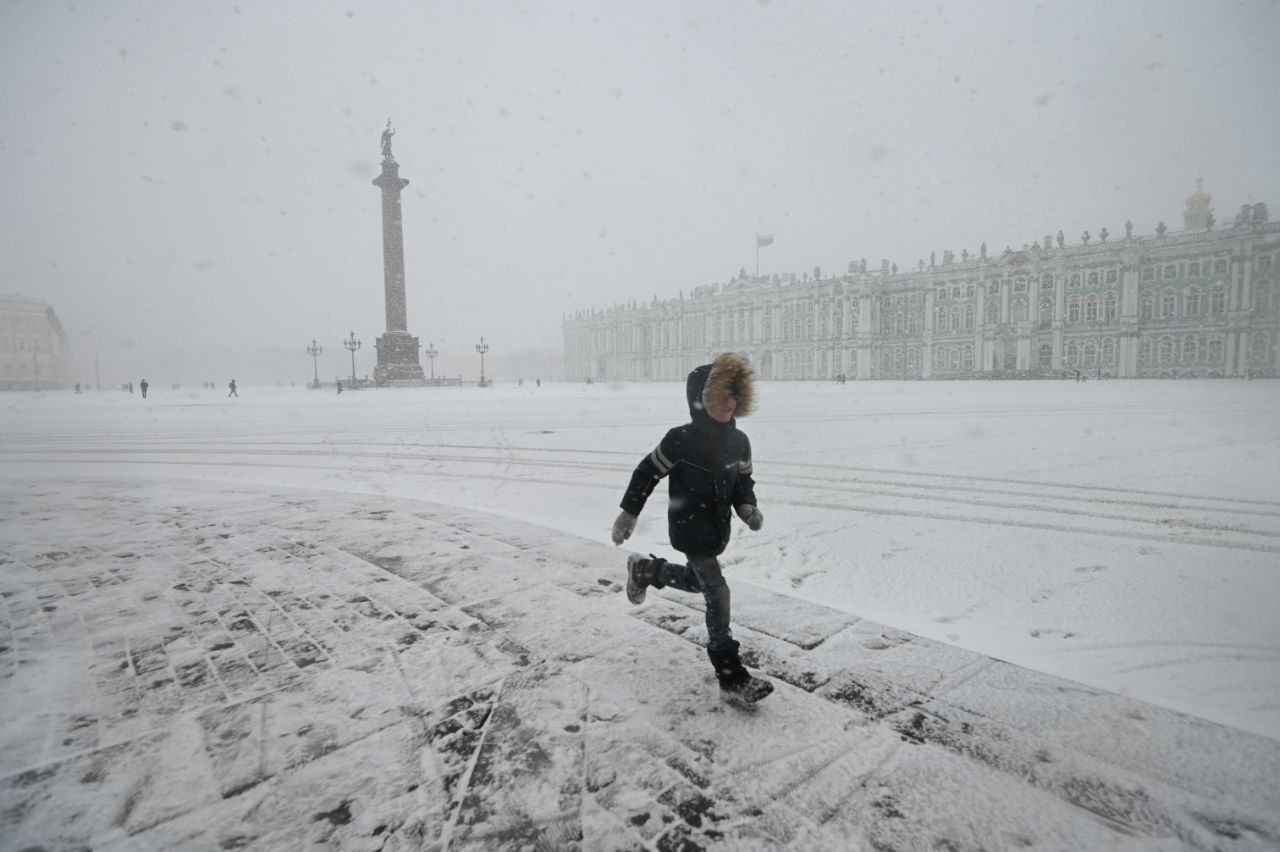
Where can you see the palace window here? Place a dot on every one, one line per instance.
(1073, 309)
(1109, 352)
(1219, 267)
(970, 291)
(1074, 281)
(939, 358)
(1264, 264)
(1148, 273)
(966, 356)
(1190, 349)
(1193, 302)
(1170, 272)
(1018, 310)
(1046, 356)
(1144, 353)
(1090, 354)
(1146, 305)
(969, 313)
(1046, 313)
(1218, 299)
(1259, 348)
(1168, 304)
(1091, 309)
(1215, 349)
(1193, 269)
(1262, 298)
(1093, 279)
(1046, 282)
(993, 312)
(1073, 354)
(1166, 350)
(1019, 285)
(1112, 276)
(1110, 307)
(993, 289)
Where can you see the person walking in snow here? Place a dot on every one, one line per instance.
(232, 392)
(708, 461)
(143, 386)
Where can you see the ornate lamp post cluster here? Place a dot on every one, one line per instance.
(314, 351)
(352, 344)
(482, 348)
(431, 354)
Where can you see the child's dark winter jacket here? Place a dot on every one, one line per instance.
(709, 462)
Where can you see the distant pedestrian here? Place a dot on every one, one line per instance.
(232, 392)
(339, 388)
(539, 382)
(77, 387)
(143, 385)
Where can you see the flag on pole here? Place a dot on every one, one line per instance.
(763, 240)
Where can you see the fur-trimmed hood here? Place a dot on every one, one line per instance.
(729, 375)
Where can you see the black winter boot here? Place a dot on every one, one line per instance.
(642, 572)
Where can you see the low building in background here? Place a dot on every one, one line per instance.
(34, 354)
(1200, 302)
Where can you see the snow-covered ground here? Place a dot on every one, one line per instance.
(1121, 535)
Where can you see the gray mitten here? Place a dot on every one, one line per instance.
(623, 527)
(751, 516)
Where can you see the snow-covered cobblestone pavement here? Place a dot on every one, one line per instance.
(196, 665)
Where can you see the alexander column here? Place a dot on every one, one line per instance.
(397, 349)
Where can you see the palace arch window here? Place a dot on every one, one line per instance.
(1190, 349)
(1046, 313)
(1144, 353)
(1166, 350)
(1074, 281)
(954, 319)
(966, 356)
(1110, 307)
(1192, 302)
(1073, 354)
(1146, 305)
(1170, 272)
(1093, 279)
(1148, 273)
(1260, 348)
(1109, 351)
(939, 358)
(1262, 298)
(1215, 349)
(1168, 304)
(1193, 269)
(1090, 354)
(1046, 355)
(969, 313)
(953, 357)
(1091, 309)
(970, 291)
(1018, 310)
(993, 312)
(1112, 276)
(1218, 299)
(1073, 309)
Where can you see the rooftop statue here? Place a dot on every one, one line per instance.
(386, 140)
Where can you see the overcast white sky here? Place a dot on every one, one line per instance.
(189, 185)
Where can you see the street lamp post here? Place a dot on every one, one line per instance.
(431, 354)
(314, 351)
(352, 344)
(482, 348)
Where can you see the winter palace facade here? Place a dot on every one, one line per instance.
(1200, 302)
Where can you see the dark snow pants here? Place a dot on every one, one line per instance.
(703, 574)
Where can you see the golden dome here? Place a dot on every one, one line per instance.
(1199, 200)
